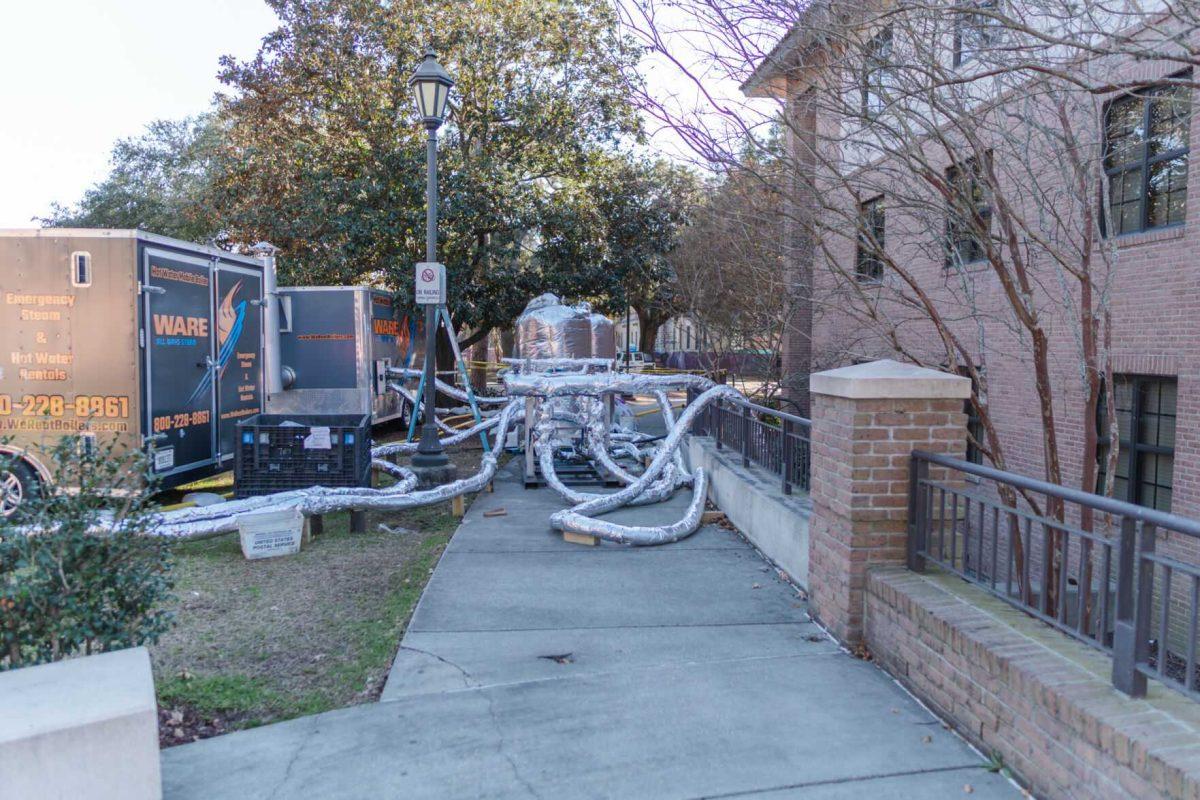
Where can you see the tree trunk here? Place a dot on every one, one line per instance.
(508, 343)
(477, 336)
(479, 357)
(648, 324)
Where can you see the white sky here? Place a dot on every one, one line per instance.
(76, 75)
(678, 102)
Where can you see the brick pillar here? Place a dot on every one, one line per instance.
(866, 421)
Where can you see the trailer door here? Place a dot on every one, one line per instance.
(180, 366)
(239, 330)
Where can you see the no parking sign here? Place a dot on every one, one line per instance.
(430, 283)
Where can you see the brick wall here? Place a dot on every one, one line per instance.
(1152, 291)
(861, 449)
(1017, 688)
(1155, 302)
(1041, 701)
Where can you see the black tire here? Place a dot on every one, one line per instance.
(18, 483)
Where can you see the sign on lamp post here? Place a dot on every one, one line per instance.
(430, 287)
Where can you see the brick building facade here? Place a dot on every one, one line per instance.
(1150, 285)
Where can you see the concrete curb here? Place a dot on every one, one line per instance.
(775, 523)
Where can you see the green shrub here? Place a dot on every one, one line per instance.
(76, 576)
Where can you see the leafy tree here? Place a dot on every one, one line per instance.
(159, 181)
(68, 590)
(323, 154)
(316, 149)
(645, 205)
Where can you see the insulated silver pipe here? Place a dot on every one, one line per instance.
(272, 346)
(655, 493)
(575, 399)
(641, 535)
(191, 523)
(411, 397)
(447, 389)
(579, 518)
(598, 384)
(664, 404)
(612, 501)
(400, 448)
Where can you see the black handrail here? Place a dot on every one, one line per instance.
(1147, 622)
(783, 449)
(1098, 502)
(774, 412)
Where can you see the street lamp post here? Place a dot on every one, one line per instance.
(431, 89)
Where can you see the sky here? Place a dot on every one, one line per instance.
(79, 74)
(692, 90)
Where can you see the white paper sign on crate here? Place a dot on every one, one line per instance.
(317, 439)
(271, 533)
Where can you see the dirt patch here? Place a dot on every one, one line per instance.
(261, 641)
(182, 725)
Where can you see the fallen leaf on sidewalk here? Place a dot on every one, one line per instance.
(562, 658)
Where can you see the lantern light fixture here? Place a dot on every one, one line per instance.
(431, 86)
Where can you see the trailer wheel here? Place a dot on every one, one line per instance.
(18, 483)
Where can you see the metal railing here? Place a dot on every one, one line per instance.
(1114, 575)
(772, 439)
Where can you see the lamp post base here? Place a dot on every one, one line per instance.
(434, 474)
(431, 464)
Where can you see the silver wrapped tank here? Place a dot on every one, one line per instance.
(549, 329)
(604, 336)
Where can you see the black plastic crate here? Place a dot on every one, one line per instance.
(271, 456)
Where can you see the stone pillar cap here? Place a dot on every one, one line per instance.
(48, 698)
(888, 380)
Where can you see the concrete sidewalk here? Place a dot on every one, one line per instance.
(534, 668)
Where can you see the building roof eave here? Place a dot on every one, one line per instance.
(769, 78)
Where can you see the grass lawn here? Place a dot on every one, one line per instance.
(266, 640)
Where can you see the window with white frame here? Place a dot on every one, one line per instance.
(976, 29)
(81, 269)
(878, 69)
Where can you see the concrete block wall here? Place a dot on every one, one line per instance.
(81, 728)
(777, 524)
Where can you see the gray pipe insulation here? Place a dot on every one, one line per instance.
(223, 517)
(574, 397)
